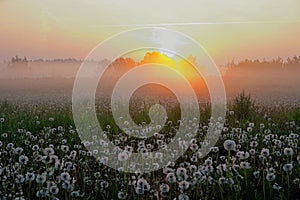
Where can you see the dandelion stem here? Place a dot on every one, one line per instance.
(245, 175)
(264, 189)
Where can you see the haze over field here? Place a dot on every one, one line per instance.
(231, 31)
(268, 81)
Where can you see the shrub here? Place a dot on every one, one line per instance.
(243, 107)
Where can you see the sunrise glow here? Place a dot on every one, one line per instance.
(63, 29)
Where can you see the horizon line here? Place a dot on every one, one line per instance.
(82, 60)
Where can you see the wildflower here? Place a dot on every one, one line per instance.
(214, 149)
(64, 148)
(194, 159)
(122, 195)
(19, 198)
(35, 147)
(41, 193)
(276, 187)
(51, 119)
(245, 165)
(67, 186)
(265, 152)
(229, 145)
(65, 176)
(183, 197)
(194, 147)
(20, 130)
(271, 170)
(123, 156)
(128, 148)
(4, 135)
(20, 178)
(23, 159)
(49, 171)
(29, 176)
(230, 181)
(209, 169)
(222, 181)
(252, 151)
(171, 178)
(253, 144)
(270, 177)
(192, 168)
(277, 143)
(242, 155)
(60, 128)
(54, 189)
(288, 151)
(48, 151)
(73, 154)
(139, 190)
(181, 173)
(277, 153)
(18, 150)
(9, 146)
(208, 162)
(40, 179)
(256, 174)
(288, 167)
(296, 181)
(164, 188)
(184, 185)
(75, 194)
(142, 186)
(88, 181)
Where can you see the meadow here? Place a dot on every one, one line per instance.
(257, 156)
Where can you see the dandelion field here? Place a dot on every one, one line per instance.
(257, 156)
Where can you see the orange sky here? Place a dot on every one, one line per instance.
(62, 29)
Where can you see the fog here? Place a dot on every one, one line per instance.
(53, 81)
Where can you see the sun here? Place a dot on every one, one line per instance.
(186, 67)
(159, 58)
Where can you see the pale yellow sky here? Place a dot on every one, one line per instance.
(67, 28)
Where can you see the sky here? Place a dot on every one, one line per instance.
(230, 29)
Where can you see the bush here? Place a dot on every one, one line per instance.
(296, 116)
(243, 107)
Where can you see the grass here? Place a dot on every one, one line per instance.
(252, 127)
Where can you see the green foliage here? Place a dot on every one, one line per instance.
(244, 107)
(28, 125)
(296, 116)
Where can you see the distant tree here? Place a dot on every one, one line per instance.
(295, 59)
(13, 60)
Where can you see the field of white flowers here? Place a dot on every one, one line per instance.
(257, 157)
